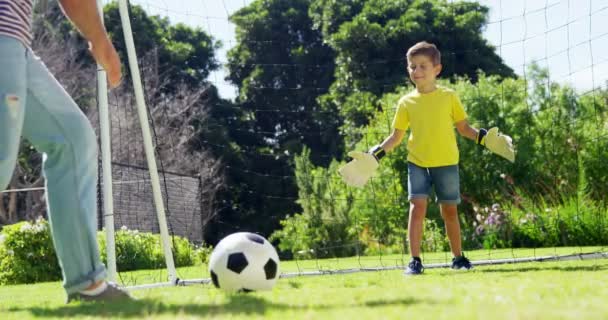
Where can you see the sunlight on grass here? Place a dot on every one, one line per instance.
(539, 290)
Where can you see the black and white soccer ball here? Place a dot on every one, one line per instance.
(244, 261)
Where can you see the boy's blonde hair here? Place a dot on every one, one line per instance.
(425, 49)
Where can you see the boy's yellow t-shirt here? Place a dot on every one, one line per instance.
(430, 118)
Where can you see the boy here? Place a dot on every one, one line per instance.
(430, 112)
(33, 104)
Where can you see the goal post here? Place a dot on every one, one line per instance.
(148, 148)
(106, 163)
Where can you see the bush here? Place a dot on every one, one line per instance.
(142, 250)
(324, 228)
(27, 254)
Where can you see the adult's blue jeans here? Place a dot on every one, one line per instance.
(34, 105)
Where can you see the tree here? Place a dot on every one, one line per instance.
(185, 55)
(280, 66)
(370, 48)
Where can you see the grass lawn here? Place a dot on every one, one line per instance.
(537, 290)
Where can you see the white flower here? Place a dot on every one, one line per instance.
(39, 227)
(26, 227)
(124, 228)
(2, 237)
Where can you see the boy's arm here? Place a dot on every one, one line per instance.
(84, 15)
(357, 172)
(393, 140)
(466, 130)
(496, 142)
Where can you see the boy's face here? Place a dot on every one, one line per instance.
(422, 70)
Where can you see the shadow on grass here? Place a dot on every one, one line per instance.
(241, 304)
(603, 267)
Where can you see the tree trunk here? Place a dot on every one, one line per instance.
(12, 207)
(3, 213)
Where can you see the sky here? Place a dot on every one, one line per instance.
(569, 37)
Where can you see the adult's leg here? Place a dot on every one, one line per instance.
(12, 104)
(57, 127)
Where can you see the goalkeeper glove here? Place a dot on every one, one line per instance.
(357, 172)
(496, 142)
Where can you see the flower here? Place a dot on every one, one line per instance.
(26, 227)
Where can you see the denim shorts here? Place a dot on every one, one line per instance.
(445, 181)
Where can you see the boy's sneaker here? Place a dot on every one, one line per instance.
(414, 267)
(111, 293)
(460, 263)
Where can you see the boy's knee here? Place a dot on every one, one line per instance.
(449, 212)
(418, 203)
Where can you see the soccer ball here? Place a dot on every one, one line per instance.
(244, 261)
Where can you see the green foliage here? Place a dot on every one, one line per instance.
(142, 250)
(370, 39)
(324, 228)
(184, 54)
(27, 254)
(535, 225)
(312, 73)
(282, 63)
(546, 198)
(434, 238)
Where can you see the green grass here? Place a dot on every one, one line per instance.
(539, 290)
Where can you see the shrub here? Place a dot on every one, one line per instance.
(142, 250)
(27, 254)
(492, 227)
(324, 228)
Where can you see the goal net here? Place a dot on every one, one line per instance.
(205, 139)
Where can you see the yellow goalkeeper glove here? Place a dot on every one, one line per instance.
(357, 172)
(500, 144)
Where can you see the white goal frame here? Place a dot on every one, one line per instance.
(106, 156)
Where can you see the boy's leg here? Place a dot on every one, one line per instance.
(416, 224)
(447, 186)
(449, 213)
(56, 126)
(419, 187)
(12, 104)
